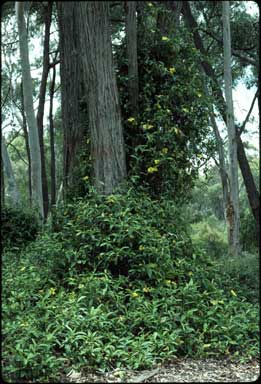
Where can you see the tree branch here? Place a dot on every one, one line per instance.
(241, 129)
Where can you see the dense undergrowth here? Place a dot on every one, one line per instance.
(116, 282)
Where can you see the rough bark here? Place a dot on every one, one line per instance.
(47, 15)
(37, 194)
(251, 189)
(72, 92)
(11, 182)
(107, 143)
(131, 37)
(233, 207)
(53, 173)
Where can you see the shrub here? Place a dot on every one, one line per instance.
(243, 273)
(129, 235)
(18, 227)
(211, 236)
(64, 307)
(97, 321)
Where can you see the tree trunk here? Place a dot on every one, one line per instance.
(53, 173)
(252, 192)
(233, 208)
(2, 184)
(12, 186)
(27, 147)
(37, 194)
(131, 36)
(74, 118)
(47, 14)
(107, 143)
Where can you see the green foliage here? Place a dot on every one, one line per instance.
(18, 227)
(211, 235)
(128, 234)
(248, 235)
(116, 283)
(95, 321)
(170, 137)
(242, 273)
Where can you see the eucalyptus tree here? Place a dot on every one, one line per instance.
(10, 178)
(233, 208)
(132, 57)
(46, 11)
(37, 194)
(74, 118)
(104, 114)
(220, 104)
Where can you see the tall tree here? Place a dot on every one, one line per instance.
(37, 194)
(53, 170)
(104, 115)
(11, 182)
(47, 17)
(233, 209)
(72, 91)
(131, 36)
(251, 189)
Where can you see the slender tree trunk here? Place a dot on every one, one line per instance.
(37, 195)
(222, 166)
(107, 143)
(131, 36)
(47, 14)
(233, 208)
(12, 186)
(74, 118)
(53, 173)
(27, 147)
(2, 184)
(252, 192)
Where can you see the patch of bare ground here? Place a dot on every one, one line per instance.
(179, 371)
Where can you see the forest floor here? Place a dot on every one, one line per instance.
(180, 371)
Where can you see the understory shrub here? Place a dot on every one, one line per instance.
(129, 235)
(66, 308)
(18, 227)
(243, 273)
(210, 235)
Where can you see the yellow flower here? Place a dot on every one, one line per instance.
(165, 150)
(131, 119)
(147, 126)
(172, 70)
(156, 161)
(185, 110)
(190, 273)
(152, 169)
(233, 292)
(168, 282)
(85, 178)
(199, 94)
(165, 38)
(134, 294)
(22, 269)
(52, 291)
(141, 247)
(146, 289)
